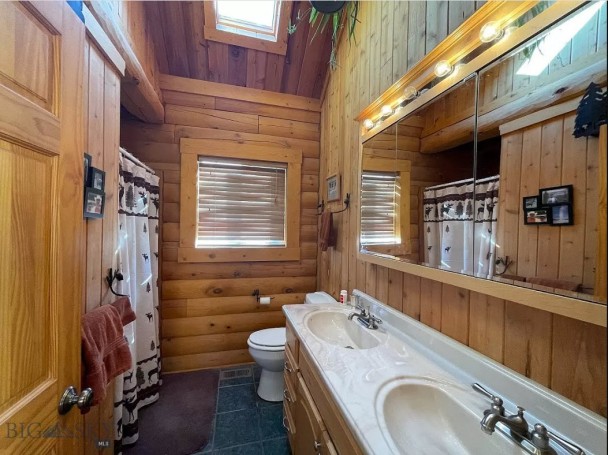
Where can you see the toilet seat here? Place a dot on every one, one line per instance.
(271, 340)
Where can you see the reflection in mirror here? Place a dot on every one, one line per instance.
(417, 199)
(527, 106)
(384, 224)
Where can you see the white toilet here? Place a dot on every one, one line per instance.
(267, 347)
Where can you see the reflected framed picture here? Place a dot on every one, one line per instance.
(530, 202)
(557, 195)
(538, 216)
(561, 215)
(94, 201)
(333, 188)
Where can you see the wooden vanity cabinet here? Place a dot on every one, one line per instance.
(314, 423)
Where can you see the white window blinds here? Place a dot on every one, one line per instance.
(240, 203)
(379, 196)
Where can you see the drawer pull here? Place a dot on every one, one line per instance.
(287, 368)
(286, 395)
(286, 424)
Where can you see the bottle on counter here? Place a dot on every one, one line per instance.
(343, 297)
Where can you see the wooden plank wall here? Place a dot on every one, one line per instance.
(545, 155)
(563, 354)
(102, 103)
(207, 309)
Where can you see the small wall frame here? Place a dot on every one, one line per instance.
(94, 201)
(333, 188)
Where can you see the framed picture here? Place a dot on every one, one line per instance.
(97, 179)
(94, 201)
(561, 215)
(538, 216)
(557, 195)
(333, 188)
(530, 202)
(87, 165)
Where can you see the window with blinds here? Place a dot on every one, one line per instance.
(379, 208)
(241, 203)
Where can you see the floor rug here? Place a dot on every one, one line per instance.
(181, 421)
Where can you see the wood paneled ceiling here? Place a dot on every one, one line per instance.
(181, 50)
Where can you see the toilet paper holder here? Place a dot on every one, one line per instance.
(256, 294)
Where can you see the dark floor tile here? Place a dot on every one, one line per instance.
(271, 422)
(235, 398)
(247, 449)
(276, 447)
(236, 381)
(236, 428)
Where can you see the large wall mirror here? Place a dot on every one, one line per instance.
(488, 180)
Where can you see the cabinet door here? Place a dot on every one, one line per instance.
(309, 426)
(327, 446)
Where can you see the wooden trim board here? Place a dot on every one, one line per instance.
(198, 87)
(594, 313)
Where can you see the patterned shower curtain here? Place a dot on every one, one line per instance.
(448, 226)
(486, 212)
(460, 226)
(139, 202)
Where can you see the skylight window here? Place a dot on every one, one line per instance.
(250, 18)
(255, 24)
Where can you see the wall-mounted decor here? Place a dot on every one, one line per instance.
(94, 201)
(530, 202)
(556, 195)
(538, 216)
(87, 165)
(333, 188)
(97, 179)
(561, 215)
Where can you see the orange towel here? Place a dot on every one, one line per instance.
(123, 305)
(327, 236)
(105, 352)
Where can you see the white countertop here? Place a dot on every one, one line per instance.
(355, 378)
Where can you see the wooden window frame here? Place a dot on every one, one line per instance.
(404, 168)
(190, 150)
(211, 33)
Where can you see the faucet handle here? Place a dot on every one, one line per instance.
(496, 400)
(540, 439)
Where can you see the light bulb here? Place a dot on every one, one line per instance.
(490, 32)
(368, 124)
(443, 68)
(410, 92)
(386, 111)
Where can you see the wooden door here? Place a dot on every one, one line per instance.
(41, 229)
(310, 435)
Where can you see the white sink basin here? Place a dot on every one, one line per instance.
(425, 417)
(334, 327)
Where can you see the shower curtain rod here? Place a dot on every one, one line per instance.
(459, 182)
(136, 161)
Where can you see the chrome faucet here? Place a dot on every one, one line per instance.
(516, 423)
(536, 442)
(365, 318)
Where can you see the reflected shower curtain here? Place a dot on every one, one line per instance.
(138, 211)
(460, 226)
(486, 213)
(448, 226)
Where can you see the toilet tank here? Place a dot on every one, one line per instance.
(319, 297)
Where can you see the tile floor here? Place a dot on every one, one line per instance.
(244, 423)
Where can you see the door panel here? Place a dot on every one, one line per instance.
(41, 181)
